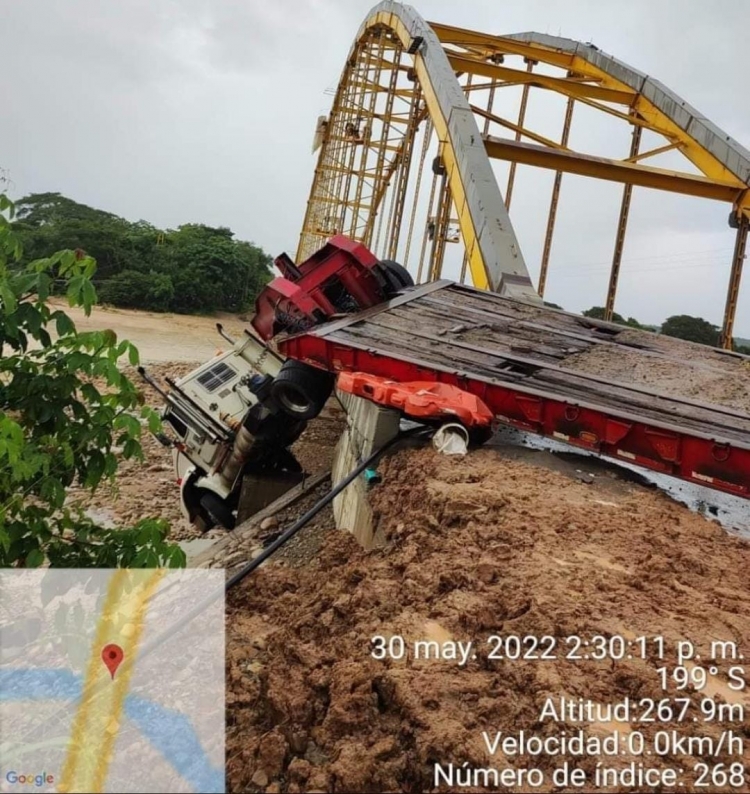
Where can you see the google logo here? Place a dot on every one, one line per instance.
(30, 780)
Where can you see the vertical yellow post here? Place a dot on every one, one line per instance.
(521, 119)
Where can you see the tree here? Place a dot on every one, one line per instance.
(135, 290)
(51, 222)
(195, 268)
(211, 270)
(694, 329)
(598, 312)
(57, 425)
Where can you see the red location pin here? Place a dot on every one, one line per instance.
(112, 656)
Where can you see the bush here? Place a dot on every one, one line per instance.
(133, 289)
(57, 426)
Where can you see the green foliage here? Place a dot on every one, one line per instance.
(597, 313)
(136, 290)
(694, 329)
(57, 426)
(192, 269)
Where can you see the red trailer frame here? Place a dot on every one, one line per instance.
(705, 444)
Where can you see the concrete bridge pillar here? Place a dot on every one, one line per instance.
(368, 427)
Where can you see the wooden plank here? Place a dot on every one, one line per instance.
(567, 384)
(565, 324)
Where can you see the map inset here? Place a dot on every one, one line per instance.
(99, 692)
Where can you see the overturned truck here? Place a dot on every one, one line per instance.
(431, 352)
(233, 419)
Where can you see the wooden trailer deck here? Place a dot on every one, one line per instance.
(513, 355)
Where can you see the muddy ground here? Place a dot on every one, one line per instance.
(484, 545)
(142, 490)
(497, 543)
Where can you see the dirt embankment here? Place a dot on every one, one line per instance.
(477, 546)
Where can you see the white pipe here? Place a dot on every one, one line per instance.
(451, 439)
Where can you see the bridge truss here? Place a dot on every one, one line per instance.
(405, 153)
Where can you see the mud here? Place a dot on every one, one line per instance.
(477, 546)
(489, 544)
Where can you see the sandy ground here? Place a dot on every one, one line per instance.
(160, 337)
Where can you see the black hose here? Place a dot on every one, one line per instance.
(312, 512)
(279, 542)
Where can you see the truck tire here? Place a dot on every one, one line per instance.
(397, 275)
(300, 390)
(218, 509)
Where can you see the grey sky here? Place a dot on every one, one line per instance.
(196, 110)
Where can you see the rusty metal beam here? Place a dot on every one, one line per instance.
(442, 219)
(735, 277)
(622, 225)
(613, 170)
(554, 202)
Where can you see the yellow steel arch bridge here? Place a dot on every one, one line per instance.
(405, 154)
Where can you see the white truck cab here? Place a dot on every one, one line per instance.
(230, 417)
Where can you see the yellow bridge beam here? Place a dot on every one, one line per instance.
(613, 170)
(562, 85)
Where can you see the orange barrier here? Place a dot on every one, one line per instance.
(418, 399)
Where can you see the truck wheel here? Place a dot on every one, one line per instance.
(218, 509)
(301, 390)
(398, 276)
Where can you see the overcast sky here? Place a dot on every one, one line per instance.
(180, 111)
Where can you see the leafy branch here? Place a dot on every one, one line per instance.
(57, 425)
